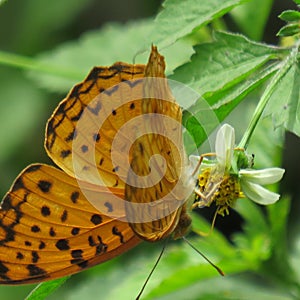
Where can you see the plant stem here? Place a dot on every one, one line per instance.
(27, 63)
(284, 68)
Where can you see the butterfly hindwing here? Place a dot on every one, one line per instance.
(48, 229)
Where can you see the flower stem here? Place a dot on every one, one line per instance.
(283, 69)
(27, 63)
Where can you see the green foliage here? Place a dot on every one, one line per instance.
(180, 18)
(289, 30)
(43, 290)
(293, 27)
(290, 16)
(284, 102)
(225, 72)
(251, 20)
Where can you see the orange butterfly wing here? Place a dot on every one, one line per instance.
(159, 209)
(48, 229)
(98, 98)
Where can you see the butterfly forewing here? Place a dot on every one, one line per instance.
(103, 106)
(164, 192)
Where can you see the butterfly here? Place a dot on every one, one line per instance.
(120, 178)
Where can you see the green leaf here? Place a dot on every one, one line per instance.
(289, 30)
(227, 60)
(278, 216)
(201, 119)
(2, 1)
(294, 256)
(224, 72)
(89, 51)
(278, 267)
(179, 18)
(297, 1)
(290, 16)
(252, 20)
(267, 154)
(178, 256)
(239, 286)
(284, 104)
(254, 243)
(45, 289)
(256, 222)
(184, 260)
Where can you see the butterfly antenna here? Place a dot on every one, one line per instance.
(154, 267)
(208, 260)
(200, 161)
(214, 220)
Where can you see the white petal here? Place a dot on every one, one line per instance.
(262, 177)
(258, 194)
(224, 145)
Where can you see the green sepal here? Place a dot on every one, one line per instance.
(289, 30)
(290, 16)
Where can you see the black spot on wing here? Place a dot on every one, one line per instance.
(96, 219)
(75, 231)
(64, 216)
(134, 82)
(42, 245)
(45, 211)
(3, 271)
(18, 184)
(116, 232)
(74, 197)
(109, 206)
(111, 90)
(101, 161)
(96, 137)
(72, 135)
(101, 247)
(52, 232)
(76, 253)
(44, 186)
(35, 270)
(62, 244)
(91, 241)
(77, 117)
(65, 153)
(95, 110)
(35, 228)
(84, 148)
(32, 168)
(35, 257)
(20, 256)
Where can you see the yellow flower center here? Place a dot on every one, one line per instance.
(214, 186)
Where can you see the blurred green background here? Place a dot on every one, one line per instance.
(29, 27)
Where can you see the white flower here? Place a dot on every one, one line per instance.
(225, 141)
(252, 181)
(230, 176)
